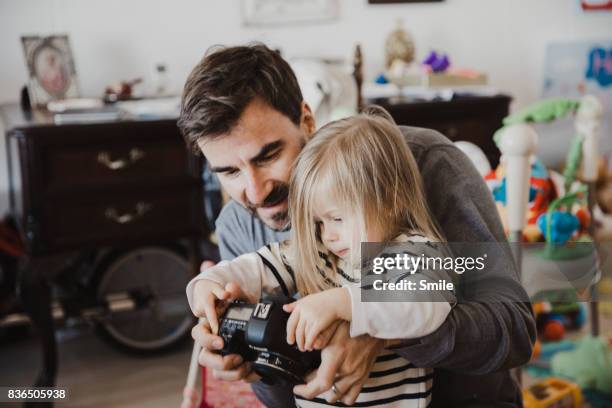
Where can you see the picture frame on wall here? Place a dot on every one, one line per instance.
(51, 70)
(596, 5)
(402, 1)
(283, 12)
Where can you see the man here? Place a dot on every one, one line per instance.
(243, 109)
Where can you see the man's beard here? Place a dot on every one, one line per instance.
(280, 220)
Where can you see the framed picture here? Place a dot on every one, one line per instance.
(596, 5)
(283, 12)
(51, 69)
(402, 1)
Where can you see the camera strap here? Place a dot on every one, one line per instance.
(274, 271)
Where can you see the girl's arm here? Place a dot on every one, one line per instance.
(394, 319)
(245, 271)
(404, 314)
(250, 273)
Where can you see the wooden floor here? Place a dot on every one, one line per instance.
(97, 375)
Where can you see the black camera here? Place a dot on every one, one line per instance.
(258, 333)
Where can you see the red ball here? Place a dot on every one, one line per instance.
(554, 330)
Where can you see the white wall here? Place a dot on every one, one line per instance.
(118, 39)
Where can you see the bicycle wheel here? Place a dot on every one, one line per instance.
(144, 294)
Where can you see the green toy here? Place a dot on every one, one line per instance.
(572, 163)
(541, 112)
(544, 111)
(589, 365)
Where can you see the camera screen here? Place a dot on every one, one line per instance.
(239, 313)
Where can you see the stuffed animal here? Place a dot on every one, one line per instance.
(590, 365)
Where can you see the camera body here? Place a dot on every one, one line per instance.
(258, 333)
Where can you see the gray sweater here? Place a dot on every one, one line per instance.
(489, 331)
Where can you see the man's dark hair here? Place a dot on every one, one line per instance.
(226, 80)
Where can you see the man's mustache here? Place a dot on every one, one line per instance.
(279, 193)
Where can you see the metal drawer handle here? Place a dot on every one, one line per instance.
(105, 159)
(141, 209)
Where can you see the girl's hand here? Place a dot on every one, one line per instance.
(211, 299)
(313, 314)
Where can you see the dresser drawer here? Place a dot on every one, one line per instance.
(107, 220)
(474, 119)
(72, 167)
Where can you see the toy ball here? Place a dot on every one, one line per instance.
(476, 155)
(584, 217)
(563, 225)
(553, 330)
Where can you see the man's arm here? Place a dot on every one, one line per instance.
(489, 329)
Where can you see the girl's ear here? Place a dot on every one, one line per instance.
(307, 121)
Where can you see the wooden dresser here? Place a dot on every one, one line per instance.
(75, 187)
(82, 185)
(471, 118)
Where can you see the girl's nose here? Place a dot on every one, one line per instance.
(329, 235)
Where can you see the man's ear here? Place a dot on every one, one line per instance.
(307, 121)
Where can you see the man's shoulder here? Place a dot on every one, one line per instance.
(422, 140)
(429, 146)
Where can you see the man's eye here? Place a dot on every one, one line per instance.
(337, 219)
(231, 173)
(269, 158)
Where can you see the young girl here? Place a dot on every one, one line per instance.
(355, 181)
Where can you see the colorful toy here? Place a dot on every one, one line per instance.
(554, 329)
(537, 350)
(564, 219)
(437, 63)
(541, 192)
(553, 319)
(559, 226)
(553, 393)
(590, 365)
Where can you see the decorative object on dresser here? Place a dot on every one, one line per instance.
(399, 45)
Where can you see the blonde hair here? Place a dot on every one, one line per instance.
(365, 163)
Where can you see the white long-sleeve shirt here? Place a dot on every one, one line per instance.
(393, 381)
(384, 320)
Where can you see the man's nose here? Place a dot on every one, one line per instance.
(256, 191)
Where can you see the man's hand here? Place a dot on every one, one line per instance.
(230, 367)
(346, 363)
